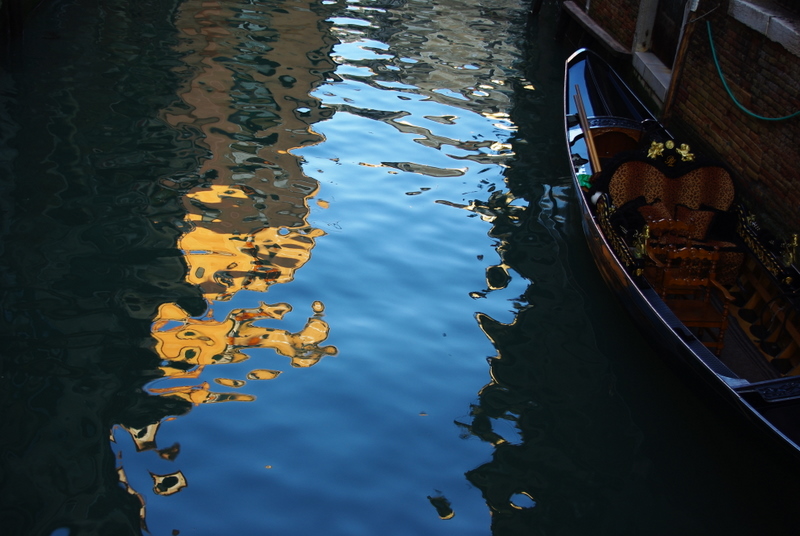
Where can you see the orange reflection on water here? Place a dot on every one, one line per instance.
(248, 104)
(205, 341)
(221, 264)
(249, 71)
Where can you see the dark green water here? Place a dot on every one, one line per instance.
(292, 267)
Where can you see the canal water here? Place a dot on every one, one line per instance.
(292, 267)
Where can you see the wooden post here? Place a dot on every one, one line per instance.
(594, 159)
(677, 70)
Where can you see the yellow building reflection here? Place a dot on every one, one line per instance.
(250, 70)
(222, 264)
(205, 341)
(248, 104)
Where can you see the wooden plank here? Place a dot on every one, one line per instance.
(677, 71)
(593, 28)
(587, 133)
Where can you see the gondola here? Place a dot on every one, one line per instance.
(716, 294)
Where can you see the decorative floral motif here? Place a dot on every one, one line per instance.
(670, 158)
(683, 150)
(656, 149)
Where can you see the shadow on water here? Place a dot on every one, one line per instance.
(112, 190)
(88, 256)
(575, 461)
(607, 439)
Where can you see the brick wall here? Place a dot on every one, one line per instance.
(765, 155)
(617, 17)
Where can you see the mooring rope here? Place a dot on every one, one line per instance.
(730, 93)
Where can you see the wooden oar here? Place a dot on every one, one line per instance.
(587, 135)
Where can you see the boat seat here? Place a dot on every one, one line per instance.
(709, 186)
(699, 199)
(688, 285)
(666, 233)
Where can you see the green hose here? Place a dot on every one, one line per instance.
(730, 94)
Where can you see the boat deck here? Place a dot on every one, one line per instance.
(742, 357)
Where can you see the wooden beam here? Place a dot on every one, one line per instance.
(677, 71)
(594, 159)
(611, 44)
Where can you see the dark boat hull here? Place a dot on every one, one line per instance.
(669, 337)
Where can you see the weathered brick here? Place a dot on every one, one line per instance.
(762, 75)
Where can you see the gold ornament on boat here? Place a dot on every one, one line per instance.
(640, 240)
(656, 149)
(670, 144)
(604, 210)
(790, 251)
(683, 150)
